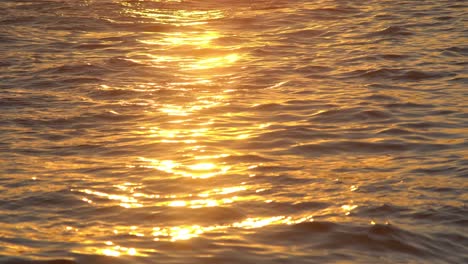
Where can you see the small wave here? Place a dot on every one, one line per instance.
(381, 211)
(350, 115)
(27, 261)
(85, 69)
(304, 33)
(26, 100)
(444, 18)
(316, 226)
(119, 62)
(382, 239)
(427, 125)
(339, 10)
(458, 50)
(408, 105)
(391, 31)
(398, 74)
(396, 131)
(93, 46)
(394, 56)
(313, 69)
(247, 158)
(19, 20)
(373, 58)
(381, 97)
(336, 147)
(298, 133)
(60, 23)
(441, 214)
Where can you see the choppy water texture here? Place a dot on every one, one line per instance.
(233, 131)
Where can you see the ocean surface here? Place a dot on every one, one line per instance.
(233, 131)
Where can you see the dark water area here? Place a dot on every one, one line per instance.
(324, 131)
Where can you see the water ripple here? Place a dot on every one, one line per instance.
(233, 131)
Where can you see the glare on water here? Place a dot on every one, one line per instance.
(186, 131)
(251, 131)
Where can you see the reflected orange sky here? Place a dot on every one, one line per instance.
(205, 80)
(196, 160)
(189, 129)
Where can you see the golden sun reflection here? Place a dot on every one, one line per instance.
(111, 249)
(187, 61)
(214, 62)
(210, 198)
(199, 60)
(201, 103)
(198, 39)
(190, 63)
(202, 203)
(202, 167)
(222, 191)
(175, 17)
(192, 231)
(179, 232)
(200, 170)
(117, 251)
(125, 201)
(177, 135)
(348, 208)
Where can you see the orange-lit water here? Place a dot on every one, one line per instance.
(233, 131)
